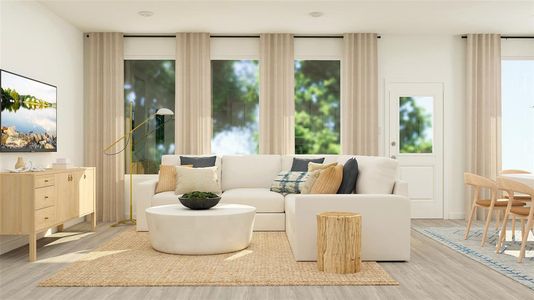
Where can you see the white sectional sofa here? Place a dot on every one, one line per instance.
(380, 198)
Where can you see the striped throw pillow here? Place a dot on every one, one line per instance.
(288, 182)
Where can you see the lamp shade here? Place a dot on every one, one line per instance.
(164, 112)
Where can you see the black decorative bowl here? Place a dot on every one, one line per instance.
(200, 203)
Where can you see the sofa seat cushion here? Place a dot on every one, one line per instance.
(165, 198)
(264, 200)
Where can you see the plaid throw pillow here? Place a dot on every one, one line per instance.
(288, 182)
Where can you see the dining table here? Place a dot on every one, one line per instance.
(527, 179)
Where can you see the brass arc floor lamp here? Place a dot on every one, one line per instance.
(127, 137)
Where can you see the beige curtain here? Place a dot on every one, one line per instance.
(359, 94)
(277, 100)
(104, 119)
(483, 86)
(193, 127)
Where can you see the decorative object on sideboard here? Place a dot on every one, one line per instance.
(200, 200)
(61, 164)
(28, 114)
(20, 163)
(127, 140)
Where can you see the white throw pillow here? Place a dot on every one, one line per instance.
(197, 179)
(376, 175)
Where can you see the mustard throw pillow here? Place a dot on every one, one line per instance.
(315, 166)
(167, 178)
(328, 181)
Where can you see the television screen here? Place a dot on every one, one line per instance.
(28, 114)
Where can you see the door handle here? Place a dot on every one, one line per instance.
(393, 143)
(393, 157)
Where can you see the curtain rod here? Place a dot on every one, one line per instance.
(239, 36)
(509, 37)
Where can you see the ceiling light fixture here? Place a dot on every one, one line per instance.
(145, 13)
(316, 14)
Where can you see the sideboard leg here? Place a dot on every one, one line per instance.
(32, 237)
(93, 221)
(60, 228)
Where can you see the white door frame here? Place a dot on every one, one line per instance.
(436, 89)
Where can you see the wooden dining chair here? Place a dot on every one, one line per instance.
(525, 214)
(480, 183)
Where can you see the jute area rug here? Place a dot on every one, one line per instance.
(129, 260)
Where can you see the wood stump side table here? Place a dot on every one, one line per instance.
(339, 242)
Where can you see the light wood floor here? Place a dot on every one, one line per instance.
(435, 272)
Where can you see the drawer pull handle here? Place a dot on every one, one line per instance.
(46, 197)
(46, 180)
(46, 218)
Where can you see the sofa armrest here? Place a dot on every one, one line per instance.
(401, 188)
(146, 191)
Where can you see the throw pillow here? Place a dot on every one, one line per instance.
(328, 181)
(310, 180)
(289, 182)
(197, 179)
(314, 166)
(301, 164)
(198, 162)
(350, 175)
(166, 179)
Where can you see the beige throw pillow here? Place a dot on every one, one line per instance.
(315, 166)
(197, 179)
(329, 180)
(308, 184)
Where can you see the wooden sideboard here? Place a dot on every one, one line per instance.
(34, 202)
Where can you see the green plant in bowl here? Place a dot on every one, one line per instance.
(200, 200)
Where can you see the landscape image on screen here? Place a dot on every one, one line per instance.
(27, 115)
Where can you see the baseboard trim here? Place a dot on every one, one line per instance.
(456, 216)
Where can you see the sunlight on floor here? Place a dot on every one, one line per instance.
(518, 236)
(239, 254)
(77, 256)
(65, 237)
(517, 243)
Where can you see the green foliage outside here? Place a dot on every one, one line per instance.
(149, 85)
(317, 93)
(414, 126)
(235, 94)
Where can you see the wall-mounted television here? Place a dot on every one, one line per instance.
(28, 114)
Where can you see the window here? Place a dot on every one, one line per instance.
(415, 124)
(518, 114)
(317, 93)
(235, 106)
(149, 85)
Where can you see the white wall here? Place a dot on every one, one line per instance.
(34, 42)
(436, 58)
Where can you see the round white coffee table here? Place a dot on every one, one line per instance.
(179, 230)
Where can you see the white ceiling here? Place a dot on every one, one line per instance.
(242, 17)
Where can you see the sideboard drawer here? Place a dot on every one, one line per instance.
(44, 180)
(45, 197)
(45, 217)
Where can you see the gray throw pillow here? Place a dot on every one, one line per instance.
(350, 175)
(198, 162)
(301, 164)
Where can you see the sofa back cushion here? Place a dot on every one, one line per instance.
(287, 160)
(249, 171)
(376, 175)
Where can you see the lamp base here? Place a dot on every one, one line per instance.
(126, 222)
